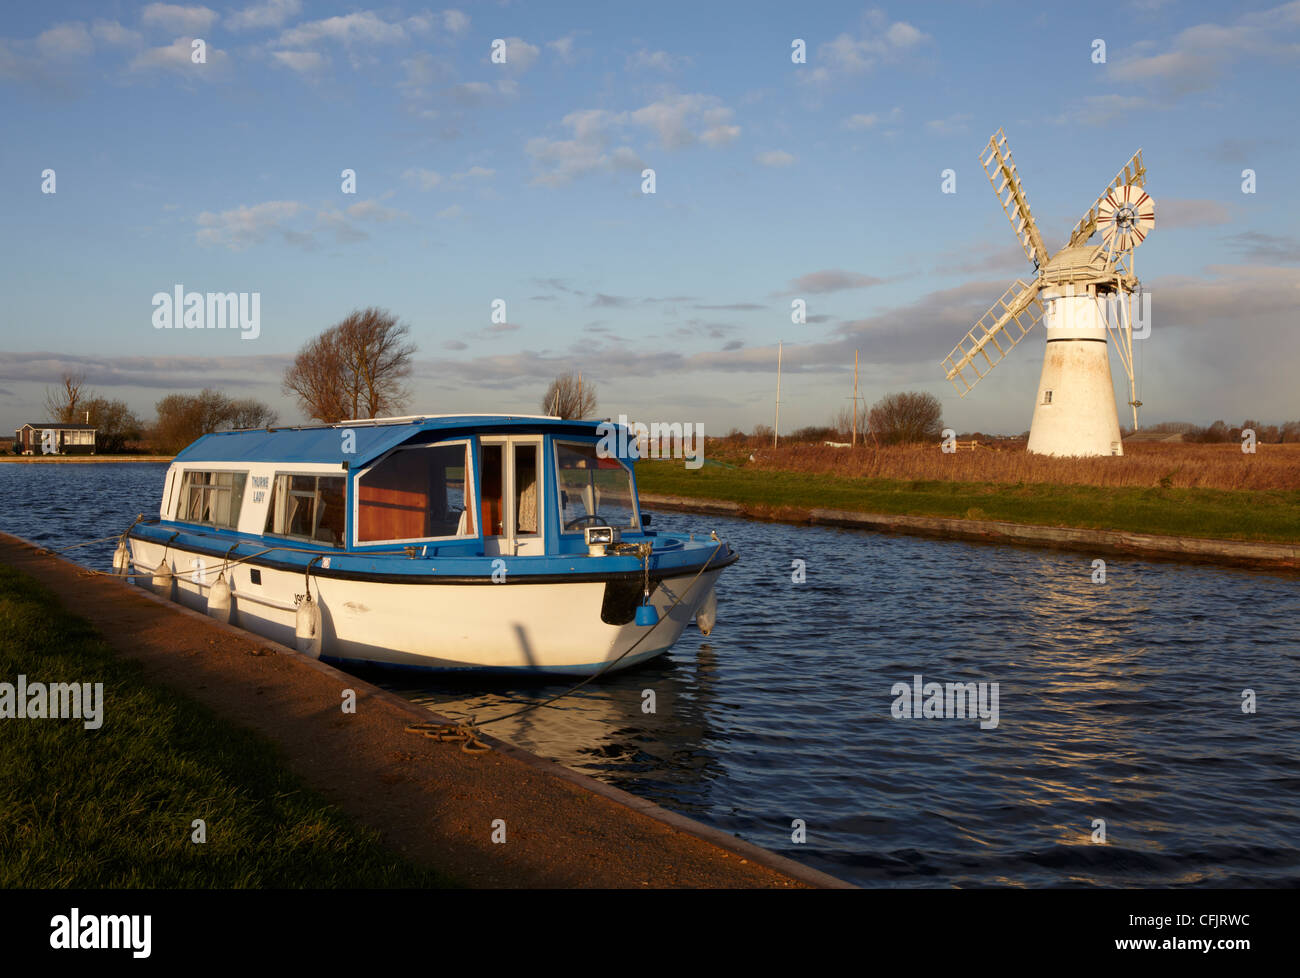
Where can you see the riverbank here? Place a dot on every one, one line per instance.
(82, 459)
(1246, 528)
(430, 803)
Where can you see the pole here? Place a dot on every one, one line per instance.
(776, 431)
(853, 442)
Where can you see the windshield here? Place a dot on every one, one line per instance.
(594, 491)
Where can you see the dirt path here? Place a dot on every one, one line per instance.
(432, 802)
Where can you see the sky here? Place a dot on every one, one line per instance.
(516, 185)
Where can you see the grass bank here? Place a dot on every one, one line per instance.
(113, 807)
(1261, 515)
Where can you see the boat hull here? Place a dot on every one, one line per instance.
(481, 626)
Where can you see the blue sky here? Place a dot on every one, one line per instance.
(521, 181)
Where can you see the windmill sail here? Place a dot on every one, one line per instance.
(1133, 172)
(993, 336)
(1001, 170)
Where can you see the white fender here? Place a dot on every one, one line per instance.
(307, 627)
(121, 559)
(707, 614)
(162, 579)
(219, 599)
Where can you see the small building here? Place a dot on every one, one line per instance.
(63, 439)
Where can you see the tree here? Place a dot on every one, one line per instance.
(115, 423)
(906, 417)
(354, 369)
(248, 413)
(569, 397)
(184, 418)
(67, 406)
(843, 423)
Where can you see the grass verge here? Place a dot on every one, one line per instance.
(1266, 515)
(113, 807)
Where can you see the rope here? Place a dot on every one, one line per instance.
(450, 733)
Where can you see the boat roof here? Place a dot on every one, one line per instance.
(323, 443)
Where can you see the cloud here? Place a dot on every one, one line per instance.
(111, 32)
(1099, 110)
(170, 17)
(775, 158)
(455, 22)
(1198, 56)
(832, 280)
(1173, 212)
(178, 56)
(152, 372)
(291, 221)
(736, 307)
(520, 55)
(270, 13)
(644, 60)
(303, 62)
(676, 117)
(365, 27)
(62, 41)
(424, 179)
(450, 213)
(952, 125)
(563, 47)
(878, 42)
(1275, 248)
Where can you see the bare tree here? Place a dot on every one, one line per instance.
(354, 369)
(184, 418)
(67, 406)
(906, 417)
(249, 413)
(570, 397)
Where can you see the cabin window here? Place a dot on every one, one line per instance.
(308, 507)
(1047, 397)
(213, 498)
(593, 490)
(417, 494)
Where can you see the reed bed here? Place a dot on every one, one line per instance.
(1144, 465)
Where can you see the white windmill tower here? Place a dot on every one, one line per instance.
(1084, 292)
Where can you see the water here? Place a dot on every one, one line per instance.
(1118, 702)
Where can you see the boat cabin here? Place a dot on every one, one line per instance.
(462, 485)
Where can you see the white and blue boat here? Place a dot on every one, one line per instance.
(465, 542)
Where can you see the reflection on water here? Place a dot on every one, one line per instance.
(1118, 702)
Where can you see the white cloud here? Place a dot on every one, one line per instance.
(563, 47)
(191, 20)
(111, 32)
(70, 40)
(270, 13)
(879, 42)
(365, 27)
(243, 226)
(655, 61)
(455, 22)
(303, 62)
(677, 121)
(520, 55)
(178, 56)
(775, 158)
(953, 124)
(450, 213)
(424, 179)
(1196, 57)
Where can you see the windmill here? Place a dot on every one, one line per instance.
(1084, 293)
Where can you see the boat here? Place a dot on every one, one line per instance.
(486, 543)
